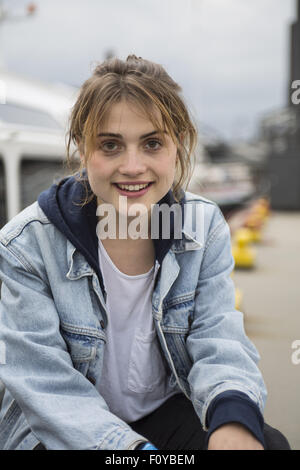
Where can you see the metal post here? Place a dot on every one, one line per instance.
(12, 170)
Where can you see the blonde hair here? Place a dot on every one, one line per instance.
(147, 85)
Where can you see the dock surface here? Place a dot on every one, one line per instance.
(271, 306)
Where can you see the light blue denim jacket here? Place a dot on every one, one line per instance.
(52, 332)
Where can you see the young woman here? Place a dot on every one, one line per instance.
(119, 331)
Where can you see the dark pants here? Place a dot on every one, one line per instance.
(175, 426)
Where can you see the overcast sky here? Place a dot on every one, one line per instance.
(231, 57)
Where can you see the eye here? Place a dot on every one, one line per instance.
(109, 146)
(154, 144)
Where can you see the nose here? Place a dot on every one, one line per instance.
(132, 163)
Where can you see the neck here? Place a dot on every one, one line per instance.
(114, 225)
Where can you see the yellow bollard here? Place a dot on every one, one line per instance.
(244, 255)
(238, 295)
(262, 209)
(238, 298)
(254, 223)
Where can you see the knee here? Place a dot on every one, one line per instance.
(274, 439)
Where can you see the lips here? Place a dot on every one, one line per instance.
(133, 193)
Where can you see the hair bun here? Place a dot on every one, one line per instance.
(133, 57)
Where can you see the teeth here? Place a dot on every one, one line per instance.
(131, 187)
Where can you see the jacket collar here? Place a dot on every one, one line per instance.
(193, 227)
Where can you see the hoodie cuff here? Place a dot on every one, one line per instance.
(233, 406)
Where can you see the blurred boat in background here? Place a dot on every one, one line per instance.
(231, 174)
(228, 184)
(33, 120)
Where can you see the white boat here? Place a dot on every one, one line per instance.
(33, 124)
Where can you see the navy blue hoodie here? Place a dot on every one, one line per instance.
(62, 205)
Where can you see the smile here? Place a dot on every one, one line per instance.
(132, 190)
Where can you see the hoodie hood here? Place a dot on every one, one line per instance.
(62, 204)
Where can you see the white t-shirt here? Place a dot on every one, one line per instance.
(134, 380)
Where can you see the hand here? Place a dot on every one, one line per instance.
(233, 436)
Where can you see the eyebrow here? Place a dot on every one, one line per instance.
(110, 134)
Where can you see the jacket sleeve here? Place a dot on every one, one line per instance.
(63, 409)
(224, 359)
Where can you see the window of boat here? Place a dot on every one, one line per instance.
(37, 175)
(16, 114)
(3, 205)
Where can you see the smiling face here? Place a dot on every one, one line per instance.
(131, 159)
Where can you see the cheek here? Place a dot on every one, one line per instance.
(97, 169)
(167, 168)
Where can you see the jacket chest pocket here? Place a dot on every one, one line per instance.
(82, 349)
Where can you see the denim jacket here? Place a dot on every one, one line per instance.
(53, 319)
